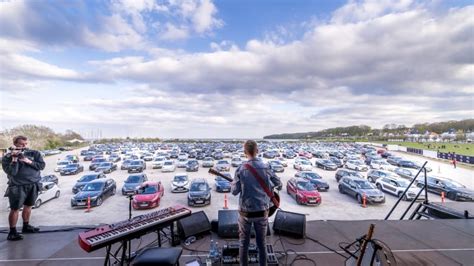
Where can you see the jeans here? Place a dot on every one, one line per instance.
(245, 226)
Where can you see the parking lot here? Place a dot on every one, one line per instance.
(334, 206)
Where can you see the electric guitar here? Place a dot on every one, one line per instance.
(275, 199)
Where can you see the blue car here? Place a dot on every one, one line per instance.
(223, 185)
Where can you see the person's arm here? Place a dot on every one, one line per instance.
(236, 185)
(38, 162)
(10, 167)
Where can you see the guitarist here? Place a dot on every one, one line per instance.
(254, 201)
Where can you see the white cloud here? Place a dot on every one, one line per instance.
(203, 17)
(173, 32)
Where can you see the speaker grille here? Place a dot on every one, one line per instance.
(196, 224)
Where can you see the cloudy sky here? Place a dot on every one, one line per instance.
(236, 68)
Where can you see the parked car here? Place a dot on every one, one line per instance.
(168, 166)
(114, 158)
(95, 163)
(71, 158)
(71, 169)
(356, 165)
(199, 193)
(192, 165)
(283, 161)
(236, 161)
(81, 182)
(407, 173)
(302, 165)
(181, 162)
(49, 178)
(180, 183)
(381, 165)
(303, 191)
(148, 195)
(396, 186)
(344, 172)
(132, 182)
(452, 189)
(208, 162)
(222, 165)
(393, 160)
(222, 185)
(158, 162)
(49, 191)
(136, 166)
(374, 175)
(125, 164)
(276, 166)
(315, 179)
(107, 167)
(413, 165)
(357, 187)
(61, 164)
(97, 190)
(326, 164)
(338, 162)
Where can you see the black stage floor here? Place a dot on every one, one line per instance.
(419, 242)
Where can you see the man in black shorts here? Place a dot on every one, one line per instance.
(23, 167)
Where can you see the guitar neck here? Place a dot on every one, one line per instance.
(214, 172)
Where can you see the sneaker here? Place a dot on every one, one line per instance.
(29, 229)
(14, 236)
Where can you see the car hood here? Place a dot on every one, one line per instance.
(180, 183)
(198, 194)
(318, 182)
(145, 197)
(309, 193)
(103, 168)
(85, 194)
(223, 183)
(80, 184)
(371, 192)
(131, 185)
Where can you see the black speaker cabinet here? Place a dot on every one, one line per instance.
(228, 224)
(290, 224)
(195, 224)
(214, 225)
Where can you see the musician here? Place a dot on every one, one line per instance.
(22, 167)
(253, 201)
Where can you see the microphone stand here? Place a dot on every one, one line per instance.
(130, 199)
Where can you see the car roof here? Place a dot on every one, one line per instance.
(150, 183)
(100, 180)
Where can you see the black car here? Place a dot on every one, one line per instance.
(289, 155)
(452, 189)
(96, 190)
(326, 164)
(95, 163)
(393, 160)
(338, 162)
(136, 166)
(357, 188)
(132, 182)
(413, 165)
(344, 172)
(315, 179)
(192, 166)
(71, 169)
(107, 167)
(199, 193)
(89, 156)
(49, 178)
(81, 182)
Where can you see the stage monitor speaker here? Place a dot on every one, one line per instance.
(290, 224)
(214, 225)
(196, 224)
(228, 224)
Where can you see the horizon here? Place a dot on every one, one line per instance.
(203, 69)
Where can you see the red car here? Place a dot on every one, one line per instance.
(148, 196)
(303, 191)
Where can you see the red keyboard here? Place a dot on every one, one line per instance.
(125, 230)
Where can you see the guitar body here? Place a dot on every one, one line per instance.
(273, 207)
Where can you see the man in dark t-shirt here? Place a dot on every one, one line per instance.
(22, 167)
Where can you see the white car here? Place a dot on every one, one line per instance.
(182, 163)
(208, 162)
(168, 166)
(61, 164)
(356, 165)
(180, 183)
(147, 156)
(396, 186)
(182, 156)
(381, 165)
(158, 162)
(303, 165)
(49, 191)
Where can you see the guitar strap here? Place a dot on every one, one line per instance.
(263, 185)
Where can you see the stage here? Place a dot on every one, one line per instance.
(413, 242)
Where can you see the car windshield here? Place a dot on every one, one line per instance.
(180, 178)
(306, 186)
(71, 166)
(198, 187)
(363, 184)
(158, 159)
(148, 190)
(105, 164)
(327, 161)
(168, 163)
(403, 183)
(87, 178)
(222, 162)
(454, 184)
(134, 179)
(63, 163)
(220, 178)
(305, 162)
(136, 163)
(93, 187)
(312, 175)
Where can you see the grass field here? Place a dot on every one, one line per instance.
(461, 149)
